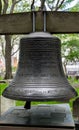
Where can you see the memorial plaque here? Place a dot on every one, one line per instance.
(40, 117)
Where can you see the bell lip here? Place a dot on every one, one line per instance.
(40, 98)
(63, 97)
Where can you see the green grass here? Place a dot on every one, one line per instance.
(2, 87)
(77, 89)
(21, 103)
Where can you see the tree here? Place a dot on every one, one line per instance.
(3, 10)
(61, 5)
(69, 48)
(56, 5)
(10, 6)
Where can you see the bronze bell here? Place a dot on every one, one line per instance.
(40, 75)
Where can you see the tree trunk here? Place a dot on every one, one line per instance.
(8, 74)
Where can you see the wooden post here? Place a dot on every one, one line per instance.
(76, 108)
(76, 113)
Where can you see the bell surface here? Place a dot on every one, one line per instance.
(40, 75)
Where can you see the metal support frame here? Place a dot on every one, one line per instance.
(34, 18)
(44, 21)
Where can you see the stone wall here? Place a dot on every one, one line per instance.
(5, 104)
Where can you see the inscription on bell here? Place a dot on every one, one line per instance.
(38, 92)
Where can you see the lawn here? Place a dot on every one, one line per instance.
(2, 87)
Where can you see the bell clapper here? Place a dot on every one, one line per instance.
(27, 105)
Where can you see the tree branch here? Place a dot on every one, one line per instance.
(32, 5)
(13, 41)
(15, 52)
(0, 6)
(42, 4)
(14, 2)
(3, 52)
(52, 5)
(5, 6)
(2, 46)
(59, 5)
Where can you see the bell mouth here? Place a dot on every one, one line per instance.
(39, 94)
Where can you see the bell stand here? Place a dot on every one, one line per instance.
(28, 103)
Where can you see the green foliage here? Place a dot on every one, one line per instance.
(75, 8)
(70, 47)
(73, 81)
(73, 49)
(66, 5)
(77, 89)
